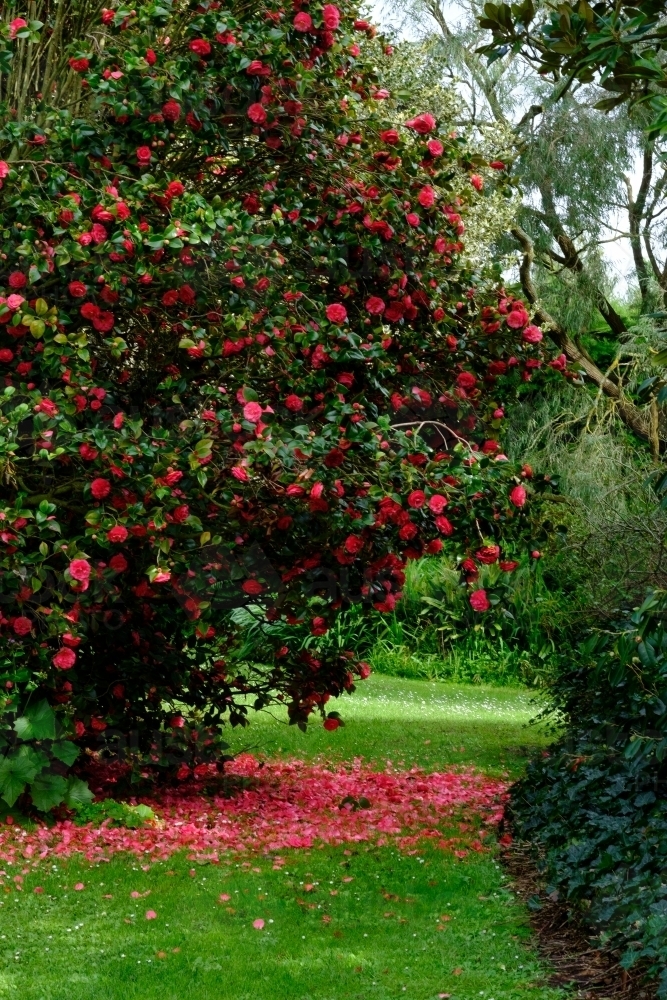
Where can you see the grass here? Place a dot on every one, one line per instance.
(363, 924)
(413, 723)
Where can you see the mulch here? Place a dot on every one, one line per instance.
(592, 973)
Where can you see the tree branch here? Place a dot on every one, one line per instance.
(630, 414)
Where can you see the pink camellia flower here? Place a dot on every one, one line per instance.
(303, 21)
(22, 625)
(257, 114)
(416, 499)
(479, 601)
(444, 525)
(16, 25)
(375, 305)
(336, 313)
(532, 334)
(15, 301)
(64, 660)
(294, 403)
(435, 147)
(518, 496)
(258, 924)
(240, 473)
(422, 124)
(294, 490)
(100, 488)
(412, 219)
(79, 569)
(252, 412)
(437, 503)
(426, 197)
(497, 165)
(330, 16)
(477, 181)
(118, 533)
(4, 169)
(517, 317)
(390, 136)
(162, 576)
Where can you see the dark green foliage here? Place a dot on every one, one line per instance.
(596, 803)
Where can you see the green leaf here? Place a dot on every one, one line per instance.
(38, 723)
(17, 770)
(78, 793)
(47, 791)
(66, 751)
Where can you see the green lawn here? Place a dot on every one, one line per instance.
(338, 923)
(429, 724)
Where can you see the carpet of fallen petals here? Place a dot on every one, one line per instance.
(288, 804)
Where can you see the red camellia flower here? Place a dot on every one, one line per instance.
(437, 503)
(6, 355)
(77, 289)
(477, 181)
(87, 452)
(181, 514)
(517, 317)
(303, 21)
(118, 563)
(466, 380)
(79, 65)
(435, 147)
(518, 496)
(330, 16)
(144, 154)
(252, 587)
(479, 600)
(174, 189)
(100, 488)
(257, 114)
(488, 554)
(416, 499)
(422, 124)
(200, 47)
(150, 57)
(390, 136)
(79, 569)
(426, 197)
(375, 305)
(509, 566)
(294, 403)
(22, 625)
(17, 279)
(444, 525)
(171, 111)
(331, 724)
(336, 313)
(118, 533)
(64, 659)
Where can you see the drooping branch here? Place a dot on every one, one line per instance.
(640, 423)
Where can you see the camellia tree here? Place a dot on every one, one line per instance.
(243, 364)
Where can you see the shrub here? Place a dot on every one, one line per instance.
(243, 363)
(595, 804)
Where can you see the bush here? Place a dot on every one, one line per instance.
(243, 361)
(595, 803)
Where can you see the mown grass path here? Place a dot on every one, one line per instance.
(333, 923)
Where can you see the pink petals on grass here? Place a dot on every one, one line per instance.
(290, 804)
(258, 924)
